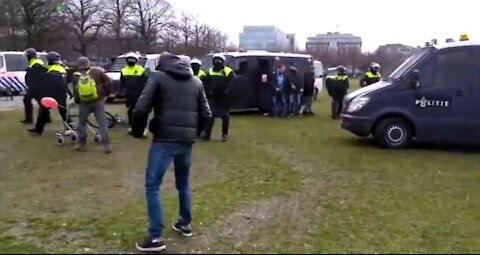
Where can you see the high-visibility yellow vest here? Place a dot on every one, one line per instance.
(35, 61)
(224, 72)
(341, 77)
(371, 75)
(136, 70)
(57, 68)
(201, 74)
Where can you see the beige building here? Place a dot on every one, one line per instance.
(334, 42)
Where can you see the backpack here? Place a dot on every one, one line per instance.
(87, 88)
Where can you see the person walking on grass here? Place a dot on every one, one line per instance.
(308, 91)
(92, 87)
(178, 100)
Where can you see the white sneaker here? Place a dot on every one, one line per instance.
(68, 132)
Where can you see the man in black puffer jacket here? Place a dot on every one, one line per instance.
(178, 100)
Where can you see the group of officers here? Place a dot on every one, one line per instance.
(44, 80)
(51, 81)
(338, 85)
(215, 81)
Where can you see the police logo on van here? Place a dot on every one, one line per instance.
(428, 102)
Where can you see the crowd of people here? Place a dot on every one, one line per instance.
(184, 104)
(292, 95)
(92, 86)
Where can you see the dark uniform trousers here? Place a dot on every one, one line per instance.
(220, 110)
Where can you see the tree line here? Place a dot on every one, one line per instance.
(104, 28)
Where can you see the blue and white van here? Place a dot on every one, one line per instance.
(433, 97)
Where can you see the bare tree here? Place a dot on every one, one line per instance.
(103, 27)
(150, 20)
(185, 27)
(37, 20)
(85, 20)
(116, 14)
(10, 24)
(198, 31)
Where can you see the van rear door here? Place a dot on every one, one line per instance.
(442, 103)
(474, 118)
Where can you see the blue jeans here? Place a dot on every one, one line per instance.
(294, 103)
(160, 157)
(279, 104)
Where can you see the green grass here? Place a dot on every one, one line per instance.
(300, 185)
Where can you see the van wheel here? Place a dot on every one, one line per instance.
(393, 133)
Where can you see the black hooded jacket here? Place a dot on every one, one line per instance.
(178, 100)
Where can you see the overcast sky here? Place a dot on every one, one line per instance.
(410, 22)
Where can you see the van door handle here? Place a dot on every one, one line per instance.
(459, 93)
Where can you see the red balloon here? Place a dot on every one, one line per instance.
(49, 102)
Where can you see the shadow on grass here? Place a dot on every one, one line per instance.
(452, 148)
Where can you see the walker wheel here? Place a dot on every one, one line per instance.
(97, 138)
(60, 140)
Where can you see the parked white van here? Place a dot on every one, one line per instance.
(13, 65)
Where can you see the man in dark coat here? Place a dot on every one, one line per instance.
(178, 101)
(33, 80)
(308, 90)
(294, 90)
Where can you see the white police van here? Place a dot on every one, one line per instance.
(13, 65)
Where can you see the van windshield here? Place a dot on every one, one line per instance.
(18, 62)
(120, 63)
(407, 64)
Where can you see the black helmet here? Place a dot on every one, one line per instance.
(53, 57)
(30, 53)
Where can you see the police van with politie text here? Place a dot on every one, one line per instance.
(433, 97)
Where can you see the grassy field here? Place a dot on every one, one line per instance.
(299, 185)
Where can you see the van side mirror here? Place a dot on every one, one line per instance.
(414, 80)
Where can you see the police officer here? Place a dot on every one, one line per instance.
(132, 79)
(216, 86)
(36, 68)
(372, 76)
(337, 87)
(196, 66)
(53, 85)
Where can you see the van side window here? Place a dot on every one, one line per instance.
(150, 64)
(453, 68)
(241, 66)
(1, 61)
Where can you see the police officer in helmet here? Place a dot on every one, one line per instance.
(337, 87)
(53, 85)
(132, 79)
(371, 76)
(36, 68)
(196, 65)
(216, 85)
